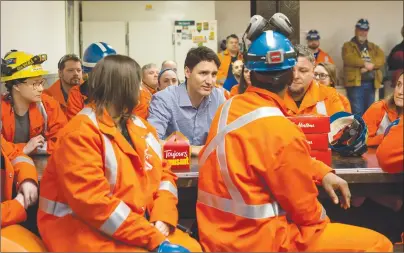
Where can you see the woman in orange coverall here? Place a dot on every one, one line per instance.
(15, 166)
(31, 119)
(380, 114)
(106, 187)
(390, 152)
(326, 73)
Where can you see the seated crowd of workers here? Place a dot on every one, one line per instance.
(107, 188)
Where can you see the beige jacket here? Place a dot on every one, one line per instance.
(353, 63)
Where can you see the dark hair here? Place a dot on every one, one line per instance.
(390, 99)
(274, 81)
(11, 83)
(115, 80)
(231, 36)
(196, 55)
(243, 83)
(223, 45)
(66, 58)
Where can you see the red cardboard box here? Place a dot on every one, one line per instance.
(312, 124)
(177, 152)
(317, 141)
(322, 155)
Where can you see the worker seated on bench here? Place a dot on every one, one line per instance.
(31, 119)
(19, 168)
(256, 189)
(381, 113)
(106, 187)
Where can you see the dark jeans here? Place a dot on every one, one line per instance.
(361, 97)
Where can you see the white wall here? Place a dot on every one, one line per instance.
(232, 17)
(35, 27)
(335, 21)
(136, 10)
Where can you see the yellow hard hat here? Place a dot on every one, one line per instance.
(19, 65)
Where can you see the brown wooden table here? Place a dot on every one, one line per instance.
(363, 172)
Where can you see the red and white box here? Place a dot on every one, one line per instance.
(177, 152)
(312, 124)
(322, 155)
(317, 141)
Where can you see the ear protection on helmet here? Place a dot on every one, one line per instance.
(258, 25)
(281, 24)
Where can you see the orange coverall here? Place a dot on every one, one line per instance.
(323, 57)
(225, 61)
(38, 112)
(17, 167)
(142, 109)
(234, 90)
(264, 197)
(55, 91)
(378, 117)
(319, 99)
(345, 103)
(97, 200)
(390, 151)
(75, 102)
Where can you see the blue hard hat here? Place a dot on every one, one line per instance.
(313, 35)
(348, 135)
(94, 53)
(271, 51)
(362, 24)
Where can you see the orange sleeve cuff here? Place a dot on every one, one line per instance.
(21, 146)
(320, 170)
(12, 212)
(375, 140)
(165, 209)
(155, 241)
(27, 172)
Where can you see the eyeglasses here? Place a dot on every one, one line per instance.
(35, 85)
(320, 76)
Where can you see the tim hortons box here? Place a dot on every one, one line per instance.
(322, 155)
(177, 152)
(317, 141)
(312, 124)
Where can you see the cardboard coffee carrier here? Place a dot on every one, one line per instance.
(317, 141)
(322, 155)
(316, 129)
(312, 124)
(177, 152)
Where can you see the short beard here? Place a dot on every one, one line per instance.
(313, 47)
(295, 93)
(362, 39)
